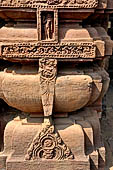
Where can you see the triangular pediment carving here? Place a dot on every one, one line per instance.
(48, 145)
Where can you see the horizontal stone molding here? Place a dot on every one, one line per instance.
(50, 3)
(83, 50)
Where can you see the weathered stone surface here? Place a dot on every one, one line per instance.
(108, 42)
(52, 165)
(54, 54)
(79, 137)
(83, 89)
(56, 3)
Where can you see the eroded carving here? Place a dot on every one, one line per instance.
(48, 71)
(57, 3)
(48, 145)
(64, 50)
(70, 35)
(47, 25)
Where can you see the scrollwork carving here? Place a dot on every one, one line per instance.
(56, 3)
(48, 71)
(48, 145)
(55, 50)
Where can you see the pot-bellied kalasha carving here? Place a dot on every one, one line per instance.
(48, 145)
(57, 3)
(48, 71)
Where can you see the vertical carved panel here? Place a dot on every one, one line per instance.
(47, 25)
(48, 71)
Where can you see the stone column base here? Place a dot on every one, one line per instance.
(70, 143)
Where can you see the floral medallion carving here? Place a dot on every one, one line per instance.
(48, 71)
(48, 145)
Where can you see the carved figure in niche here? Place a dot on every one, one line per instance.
(48, 26)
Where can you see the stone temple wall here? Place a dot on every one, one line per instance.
(55, 105)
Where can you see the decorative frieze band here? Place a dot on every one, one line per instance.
(51, 50)
(50, 3)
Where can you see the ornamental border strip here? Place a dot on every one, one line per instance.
(51, 50)
(86, 4)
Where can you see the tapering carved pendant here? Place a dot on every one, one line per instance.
(48, 71)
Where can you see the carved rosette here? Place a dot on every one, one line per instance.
(48, 71)
(48, 145)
